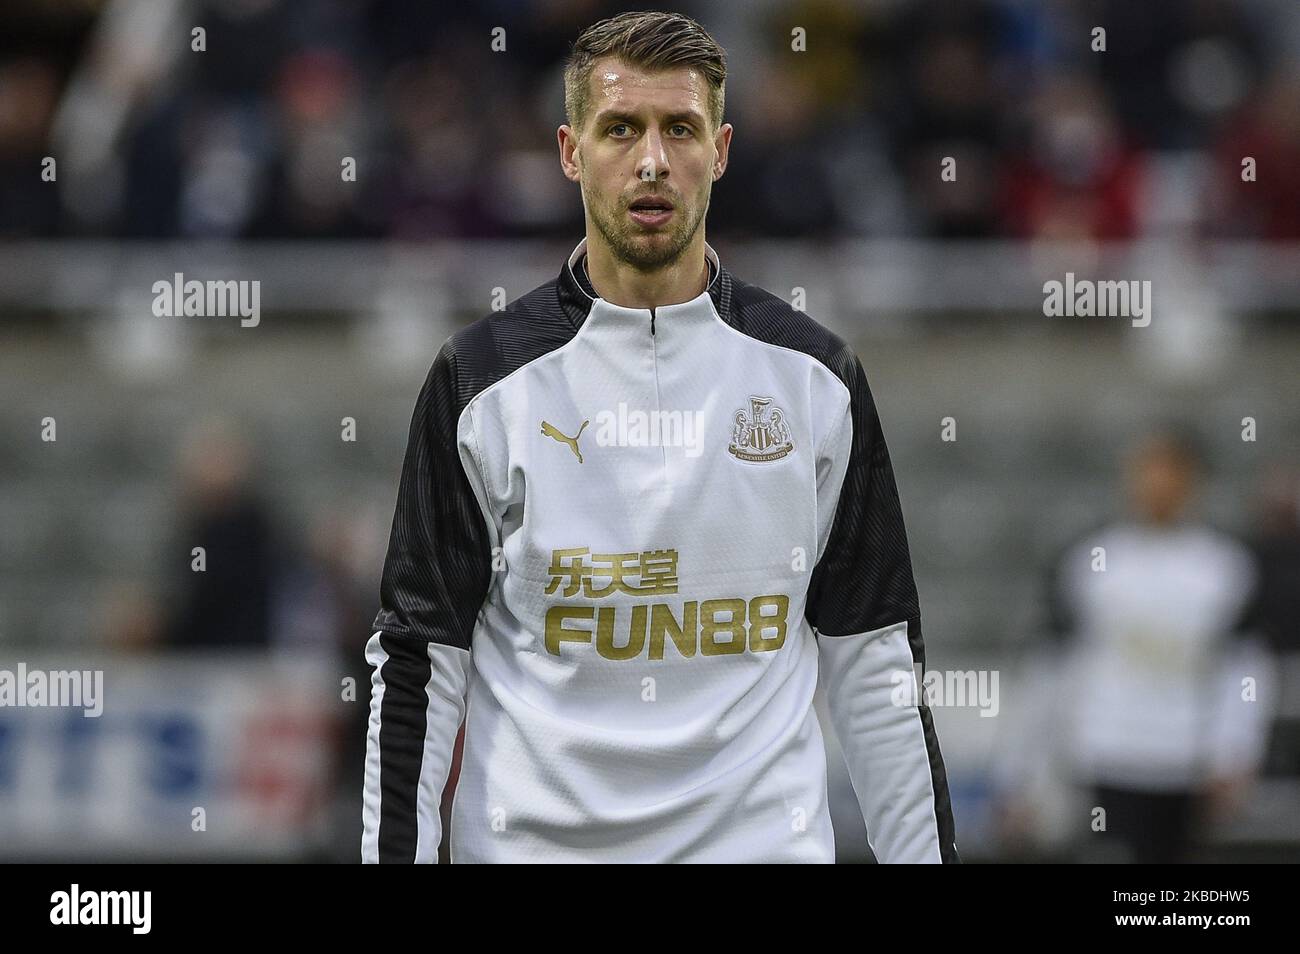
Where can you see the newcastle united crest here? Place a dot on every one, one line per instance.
(760, 433)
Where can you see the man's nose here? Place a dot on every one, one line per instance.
(652, 161)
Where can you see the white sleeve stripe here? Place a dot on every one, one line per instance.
(869, 691)
(416, 705)
(446, 694)
(371, 793)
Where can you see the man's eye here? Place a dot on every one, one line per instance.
(686, 130)
(614, 129)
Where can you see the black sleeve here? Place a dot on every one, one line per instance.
(435, 579)
(862, 602)
(438, 568)
(864, 579)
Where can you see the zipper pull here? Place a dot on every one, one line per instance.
(652, 322)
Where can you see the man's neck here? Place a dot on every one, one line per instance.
(632, 289)
(586, 274)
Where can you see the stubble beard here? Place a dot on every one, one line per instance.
(626, 239)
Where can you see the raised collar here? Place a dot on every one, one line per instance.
(578, 298)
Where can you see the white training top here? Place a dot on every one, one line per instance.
(625, 543)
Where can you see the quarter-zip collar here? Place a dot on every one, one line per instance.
(587, 309)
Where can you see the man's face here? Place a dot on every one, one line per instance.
(647, 138)
(1160, 481)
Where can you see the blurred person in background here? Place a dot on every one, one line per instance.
(320, 596)
(234, 593)
(1267, 130)
(1161, 678)
(28, 96)
(947, 101)
(321, 599)
(229, 602)
(1172, 68)
(1078, 176)
(1276, 542)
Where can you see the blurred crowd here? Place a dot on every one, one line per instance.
(452, 138)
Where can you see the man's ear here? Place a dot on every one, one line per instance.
(570, 163)
(722, 142)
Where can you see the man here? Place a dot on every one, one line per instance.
(639, 507)
(1164, 680)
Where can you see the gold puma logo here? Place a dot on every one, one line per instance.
(550, 430)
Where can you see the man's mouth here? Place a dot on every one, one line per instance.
(651, 210)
